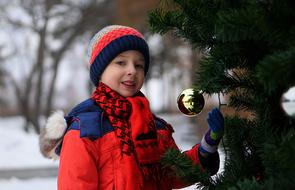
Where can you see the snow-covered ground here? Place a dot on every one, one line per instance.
(30, 184)
(20, 150)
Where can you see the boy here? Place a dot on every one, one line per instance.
(113, 141)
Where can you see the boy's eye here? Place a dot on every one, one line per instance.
(120, 62)
(140, 66)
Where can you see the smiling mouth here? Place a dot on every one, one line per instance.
(129, 84)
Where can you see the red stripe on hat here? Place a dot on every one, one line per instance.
(110, 36)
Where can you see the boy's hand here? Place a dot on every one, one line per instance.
(211, 139)
(216, 124)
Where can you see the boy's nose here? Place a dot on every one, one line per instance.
(131, 69)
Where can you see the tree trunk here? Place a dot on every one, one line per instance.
(56, 63)
(39, 88)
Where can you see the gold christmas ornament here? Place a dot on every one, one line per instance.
(190, 102)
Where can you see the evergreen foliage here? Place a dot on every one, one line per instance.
(249, 48)
(181, 166)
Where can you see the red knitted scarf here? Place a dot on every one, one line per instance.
(133, 122)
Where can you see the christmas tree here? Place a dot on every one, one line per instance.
(249, 55)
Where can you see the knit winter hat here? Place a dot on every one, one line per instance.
(110, 42)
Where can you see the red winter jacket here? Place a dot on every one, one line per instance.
(91, 159)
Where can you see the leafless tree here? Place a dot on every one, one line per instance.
(62, 21)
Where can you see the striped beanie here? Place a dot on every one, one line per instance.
(110, 42)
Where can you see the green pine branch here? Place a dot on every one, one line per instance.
(278, 65)
(182, 167)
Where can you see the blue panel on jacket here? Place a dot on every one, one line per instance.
(88, 118)
(93, 125)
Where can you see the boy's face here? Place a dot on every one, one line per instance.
(125, 73)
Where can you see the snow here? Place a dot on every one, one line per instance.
(31, 184)
(20, 150)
